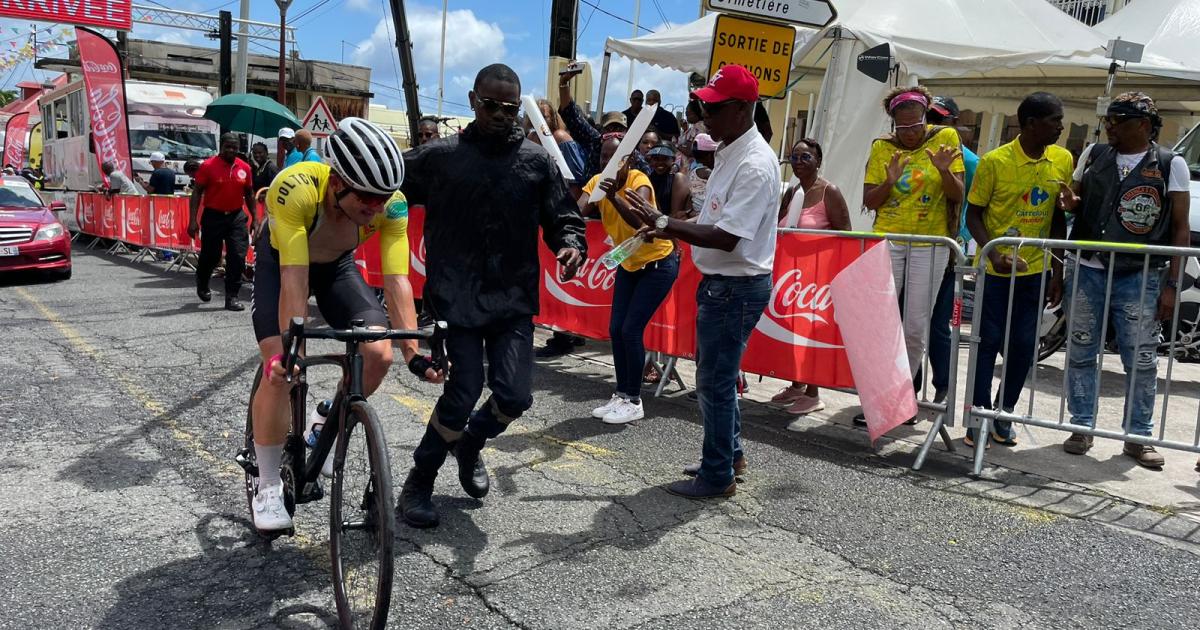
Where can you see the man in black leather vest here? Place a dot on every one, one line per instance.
(1130, 191)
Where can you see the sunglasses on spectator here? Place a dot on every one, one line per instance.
(494, 105)
(712, 109)
(619, 135)
(802, 157)
(913, 127)
(1115, 120)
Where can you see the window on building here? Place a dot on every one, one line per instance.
(77, 113)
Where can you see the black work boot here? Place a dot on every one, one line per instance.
(416, 499)
(472, 473)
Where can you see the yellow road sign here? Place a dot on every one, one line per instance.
(764, 48)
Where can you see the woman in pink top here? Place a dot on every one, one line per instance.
(816, 204)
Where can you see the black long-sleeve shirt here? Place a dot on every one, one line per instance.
(484, 198)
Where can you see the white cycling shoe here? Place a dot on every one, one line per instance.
(270, 514)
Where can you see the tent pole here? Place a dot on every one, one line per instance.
(603, 86)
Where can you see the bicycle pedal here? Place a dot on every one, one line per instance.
(312, 492)
(245, 459)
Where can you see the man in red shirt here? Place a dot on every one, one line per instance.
(225, 183)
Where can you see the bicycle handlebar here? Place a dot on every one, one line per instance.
(297, 333)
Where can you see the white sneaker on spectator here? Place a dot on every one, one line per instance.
(269, 512)
(805, 405)
(601, 411)
(624, 413)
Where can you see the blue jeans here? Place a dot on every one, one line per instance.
(939, 334)
(1137, 337)
(728, 310)
(636, 296)
(1022, 334)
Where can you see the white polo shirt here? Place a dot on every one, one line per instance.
(742, 198)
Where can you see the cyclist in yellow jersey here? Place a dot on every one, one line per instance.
(317, 215)
(914, 183)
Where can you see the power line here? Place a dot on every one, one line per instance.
(661, 14)
(615, 16)
(586, 22)
(391, 40)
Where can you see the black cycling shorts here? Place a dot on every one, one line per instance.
(342, 294)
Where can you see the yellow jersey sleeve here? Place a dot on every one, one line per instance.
(393, 236)
(983, 182)
(292, 203)
(881, 153)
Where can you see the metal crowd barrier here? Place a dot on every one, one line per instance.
(983, 418)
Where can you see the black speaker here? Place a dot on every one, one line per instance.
(564, 15)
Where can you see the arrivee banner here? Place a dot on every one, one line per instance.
(15, 132)
(115, 14)
(105, 81)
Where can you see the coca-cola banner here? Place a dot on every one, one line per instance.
(105, 82)
(796, 334)
(370, 262)
(582, 304)
(136, 219)
(115, 14)
(15, 133)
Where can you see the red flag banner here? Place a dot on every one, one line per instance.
(582, 304)
(15, 145)
(105, 81)
(116, 14)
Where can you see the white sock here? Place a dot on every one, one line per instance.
(268, 463)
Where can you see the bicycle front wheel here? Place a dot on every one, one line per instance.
(362, 522)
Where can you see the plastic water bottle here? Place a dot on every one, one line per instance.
(316, 421)
(622, 252)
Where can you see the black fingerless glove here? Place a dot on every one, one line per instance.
(419, 364)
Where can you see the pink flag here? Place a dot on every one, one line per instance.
(868, 314)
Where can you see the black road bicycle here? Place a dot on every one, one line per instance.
(361, 504)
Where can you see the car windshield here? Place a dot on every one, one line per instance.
(1189, 148)
(176, 144)
(18, 196)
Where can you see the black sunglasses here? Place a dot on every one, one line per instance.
(493, 105)
(1115, 120)
(712, 109)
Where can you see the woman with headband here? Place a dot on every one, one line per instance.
(914, 184)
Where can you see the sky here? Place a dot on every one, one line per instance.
(479, 32)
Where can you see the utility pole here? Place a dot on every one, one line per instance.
(442, 62)
(239, 80)
(281, 95)
(224, 68)
(404, 49)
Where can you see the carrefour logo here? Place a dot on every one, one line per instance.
(1036, 196)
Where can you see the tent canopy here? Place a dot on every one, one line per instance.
(1167, 28)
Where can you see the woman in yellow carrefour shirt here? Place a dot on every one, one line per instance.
(914, 183)
(642, 283)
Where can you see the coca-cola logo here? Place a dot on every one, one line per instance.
(591, 277)
(89, 213)
(107, 219)
(104, 68)
(793, 297)
(133, 221)
(164, 226)
(417, 256)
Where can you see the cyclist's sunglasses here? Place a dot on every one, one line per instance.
(370, 198)
(493, 105)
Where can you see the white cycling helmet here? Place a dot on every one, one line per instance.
(365, 156)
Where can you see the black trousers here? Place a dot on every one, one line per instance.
(228, 229)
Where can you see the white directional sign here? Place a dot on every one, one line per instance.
(319, 120)
(816, 13)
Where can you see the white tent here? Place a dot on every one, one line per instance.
(1167, 28)
(929, 39)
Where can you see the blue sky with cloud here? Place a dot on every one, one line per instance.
(479, 32)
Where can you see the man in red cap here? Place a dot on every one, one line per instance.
(734, 247)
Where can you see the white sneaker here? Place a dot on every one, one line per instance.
(624, 413)
(269, 511)
(602, 410)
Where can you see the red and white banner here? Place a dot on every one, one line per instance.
(105, 81)
(370, 262)
(870, 324)
(582, 304)
(155, 221)
(15, 145)
(115, 14)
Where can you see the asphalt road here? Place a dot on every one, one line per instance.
(122, 405)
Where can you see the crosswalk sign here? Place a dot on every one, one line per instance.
(319, 120)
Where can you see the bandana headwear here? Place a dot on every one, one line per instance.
(1133, 104)
(907, 97)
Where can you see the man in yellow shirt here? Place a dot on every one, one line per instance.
(1016, 193)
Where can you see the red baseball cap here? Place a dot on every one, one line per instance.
(732, 82)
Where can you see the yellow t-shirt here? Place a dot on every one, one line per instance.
(295, 200)
(1018, 193)
(619, 230)
(916, 204)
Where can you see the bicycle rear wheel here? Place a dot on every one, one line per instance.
(362, 522)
